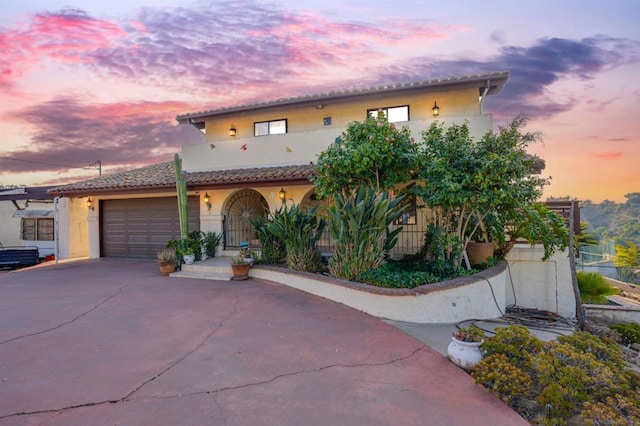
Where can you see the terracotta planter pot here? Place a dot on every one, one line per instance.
(167, 267)
(480, 252)
(240, 271)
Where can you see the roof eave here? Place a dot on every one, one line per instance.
(496, 81)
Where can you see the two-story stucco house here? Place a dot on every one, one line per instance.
(252, 159)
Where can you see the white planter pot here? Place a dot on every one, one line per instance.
(464, 354)
(189, 258)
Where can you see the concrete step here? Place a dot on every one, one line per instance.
(217, 268)
(202, 275)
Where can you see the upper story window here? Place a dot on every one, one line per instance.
(36, 229)
(273, 127)
(393, 114)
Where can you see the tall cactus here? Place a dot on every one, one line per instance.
(181, 190)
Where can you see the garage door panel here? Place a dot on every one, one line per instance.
(140, 227)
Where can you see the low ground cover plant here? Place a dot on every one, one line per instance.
(579, 377)
(629, 332)
(414, 271)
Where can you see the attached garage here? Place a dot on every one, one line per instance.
(139, 227)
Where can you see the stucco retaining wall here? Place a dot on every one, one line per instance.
(613, 314)
(532, 283)
(479, 296)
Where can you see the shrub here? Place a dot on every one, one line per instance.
(300, 232)
(386, 277)
(629, 332)
(517, 343)
(578, 374)
(274, 251)
(594, 287)
(211, 241)
(603, 349)
(502, 378)
(359, 225)
(615, 410)
(571, 378)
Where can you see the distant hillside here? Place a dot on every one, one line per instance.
(617, 221)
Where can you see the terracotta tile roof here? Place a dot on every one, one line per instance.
(256, 174)
(162, 176)
(497, 81)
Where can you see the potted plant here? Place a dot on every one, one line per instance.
(211, 242)
(240, 267)
(166, 261)
(464, 349)
(189, 256)
(482, 246)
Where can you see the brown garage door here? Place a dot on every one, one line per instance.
(141, 226)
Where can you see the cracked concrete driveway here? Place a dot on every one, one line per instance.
(111, 342)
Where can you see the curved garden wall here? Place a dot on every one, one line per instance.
(479, 296)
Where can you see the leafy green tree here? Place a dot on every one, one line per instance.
(586, 237)
(627, 256)
(621, 221)
(372, 153)
(627, 259)
(469, 183)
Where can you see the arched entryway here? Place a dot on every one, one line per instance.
(238, 211)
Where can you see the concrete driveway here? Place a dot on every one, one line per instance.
(111, 342)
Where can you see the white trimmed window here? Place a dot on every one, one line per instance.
(273, 127)
(36, 229)
(393, 114)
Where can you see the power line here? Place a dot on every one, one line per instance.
(45, 163)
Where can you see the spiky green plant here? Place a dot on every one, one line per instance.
(300, 232)
(274, 251)
(359, 225)
(594, 288)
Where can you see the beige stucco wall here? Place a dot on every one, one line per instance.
(449, 305)
(211, 219)
(307, 136)
(537, 284)
(305, 118)
(73, 230)
(9, 226)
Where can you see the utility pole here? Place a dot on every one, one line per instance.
(97, 164)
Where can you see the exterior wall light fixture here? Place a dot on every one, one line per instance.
(232, 130)
(282, 194)
(207, 201)
(435, 109)
(90, 204)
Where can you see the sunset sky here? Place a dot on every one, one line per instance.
(83, 80)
